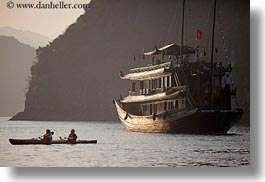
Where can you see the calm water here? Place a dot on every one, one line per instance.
(117, 148)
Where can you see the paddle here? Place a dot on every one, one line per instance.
(36, 138)
(41, 137)
(64, 138)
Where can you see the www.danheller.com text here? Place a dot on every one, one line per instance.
(47, 5)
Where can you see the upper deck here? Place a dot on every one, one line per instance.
(149, 72)
(162, 67)
(171, 50)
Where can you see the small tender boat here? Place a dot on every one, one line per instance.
(40, 142)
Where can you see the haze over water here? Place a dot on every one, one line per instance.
(119, 148)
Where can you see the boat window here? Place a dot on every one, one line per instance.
(159, 82)
(183, 102)
(133, 86)
(170, 105)
(150, 85)
(144, 108)
(168, 81)
(147, 109)
(161, 105)
(165, 106)
(141, 84)
(155, 108)
(176, 104)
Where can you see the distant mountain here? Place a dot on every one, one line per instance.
(77, 75)
(16, 59)
(33, 39)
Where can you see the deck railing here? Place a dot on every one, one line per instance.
(156, 91)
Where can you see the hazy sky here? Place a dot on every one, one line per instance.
(50, 23)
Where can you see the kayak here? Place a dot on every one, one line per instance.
(40, 142)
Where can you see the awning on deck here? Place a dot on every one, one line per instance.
(148, 72)
(171, 49)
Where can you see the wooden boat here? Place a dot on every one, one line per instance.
(191, 121)
(40, 142)
(179, 92)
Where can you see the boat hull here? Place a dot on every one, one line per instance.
(39, 142)
(193, 121)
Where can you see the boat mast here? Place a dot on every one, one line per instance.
(212, 52)
(182, 31)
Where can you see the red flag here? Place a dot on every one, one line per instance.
(199, 34)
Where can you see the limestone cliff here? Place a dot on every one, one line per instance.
(15, 61)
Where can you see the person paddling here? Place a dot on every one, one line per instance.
(72, 137)
(47, 137)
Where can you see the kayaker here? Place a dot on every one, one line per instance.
(47, 137)
(72, 137)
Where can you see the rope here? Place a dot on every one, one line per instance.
(170, 27)
(209, 23)
(188, 22)
(177, 79)
(189, 95)
(221, 28)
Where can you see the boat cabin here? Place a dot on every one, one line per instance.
(161, 86)
(156, 107)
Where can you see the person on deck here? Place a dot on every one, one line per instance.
(227, 92)
(72, 137)
(47, 137)
(227, 81)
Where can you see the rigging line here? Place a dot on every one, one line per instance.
(177, 84)
(189, 22)
(189, 18)
(187, 89)
(171, 26)
(173, 32)
(177, 79)
(225, 44)
(208, 32)
(208, 25)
